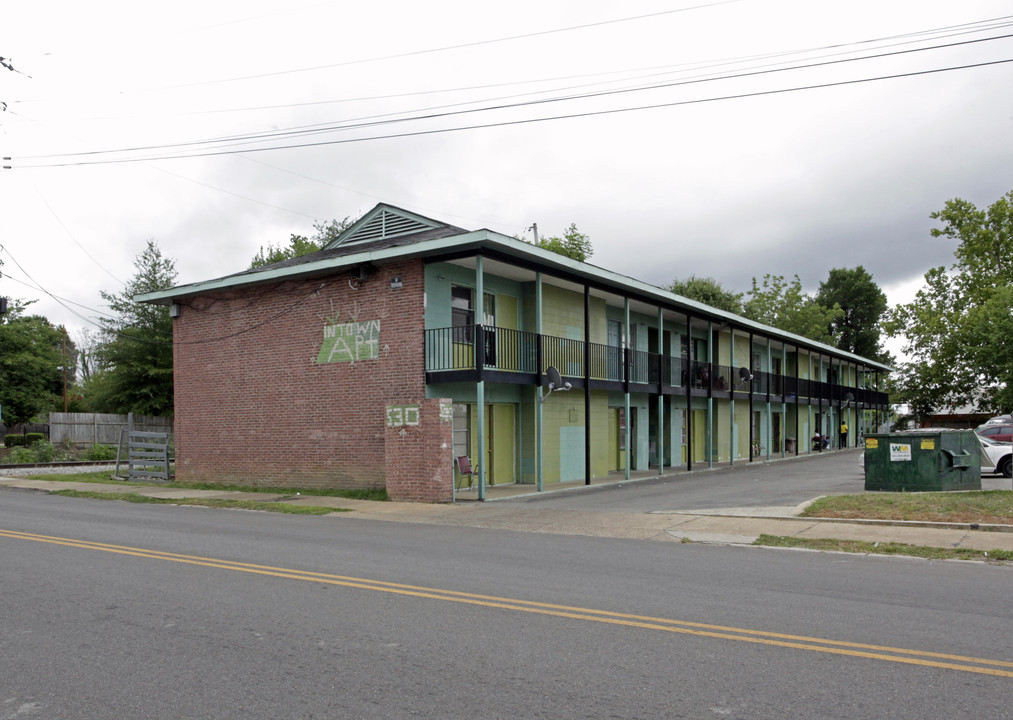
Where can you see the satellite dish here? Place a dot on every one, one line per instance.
(555, 381)
(745, 376)
(848, 397)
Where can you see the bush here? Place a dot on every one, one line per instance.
(20, 456)
(44, 451)
(100, 452)
(41, 451)
(32, 438)
(14, 440)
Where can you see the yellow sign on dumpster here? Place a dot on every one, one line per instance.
(928, 444)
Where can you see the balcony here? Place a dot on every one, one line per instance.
(472, 353)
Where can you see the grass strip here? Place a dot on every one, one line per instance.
(868, 548)
(983, 507)
(278, 507)
(102, 477)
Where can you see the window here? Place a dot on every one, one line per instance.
(462, 430)
(462, 313)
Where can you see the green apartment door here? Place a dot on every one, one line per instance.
(500, 431)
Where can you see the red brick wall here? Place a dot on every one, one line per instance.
(254, 405)
(420, 463)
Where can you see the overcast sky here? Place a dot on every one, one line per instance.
(717, 139)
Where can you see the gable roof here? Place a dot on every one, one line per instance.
(388, 233)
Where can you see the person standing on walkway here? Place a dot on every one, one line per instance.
(844, 434)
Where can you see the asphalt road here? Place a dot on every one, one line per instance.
(744, 484)
(117, 610)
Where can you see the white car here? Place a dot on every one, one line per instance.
(996, 457)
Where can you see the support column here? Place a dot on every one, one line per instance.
(587, 384)
(732, 445)
(710, 395)
(479, 363)
(661, 395)
(539, 417)
(626, 383)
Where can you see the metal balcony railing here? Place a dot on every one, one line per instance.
(476, 347)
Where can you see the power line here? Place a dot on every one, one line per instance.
(590, 113)
(362, 123)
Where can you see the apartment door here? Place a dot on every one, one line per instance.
(500, 434)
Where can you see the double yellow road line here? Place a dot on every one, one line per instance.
(998, 668)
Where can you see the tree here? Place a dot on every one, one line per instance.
(31, 364)
(785, 306)
(574, 244)
(136, 347)
(957, 329)
(299, 245)
(863, 304)
(708, 291)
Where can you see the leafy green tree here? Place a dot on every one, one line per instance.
(708, 291)
(135, 352)
(863, 304)
(957, 329)
(299, 245)
(31, 363)
(574, 244)
(785, 306)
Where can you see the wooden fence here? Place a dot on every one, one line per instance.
(104, 428)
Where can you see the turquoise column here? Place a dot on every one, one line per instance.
(539, 418)
(626, 371)
(661, 395)
(710, 395)
(733, 445)
(767, 435)
(480, 390)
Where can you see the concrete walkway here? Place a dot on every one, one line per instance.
(718, 525)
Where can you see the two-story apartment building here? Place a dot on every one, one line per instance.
(408, 343)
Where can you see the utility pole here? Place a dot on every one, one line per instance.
(534, 226)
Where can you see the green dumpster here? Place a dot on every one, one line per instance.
(922, 461)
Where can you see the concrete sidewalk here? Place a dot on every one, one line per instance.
(718, 525)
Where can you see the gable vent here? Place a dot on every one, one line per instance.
(386, 225)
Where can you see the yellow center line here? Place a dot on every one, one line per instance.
(800, 642)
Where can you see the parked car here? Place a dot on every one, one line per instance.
(996, 457)
(995, 431)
